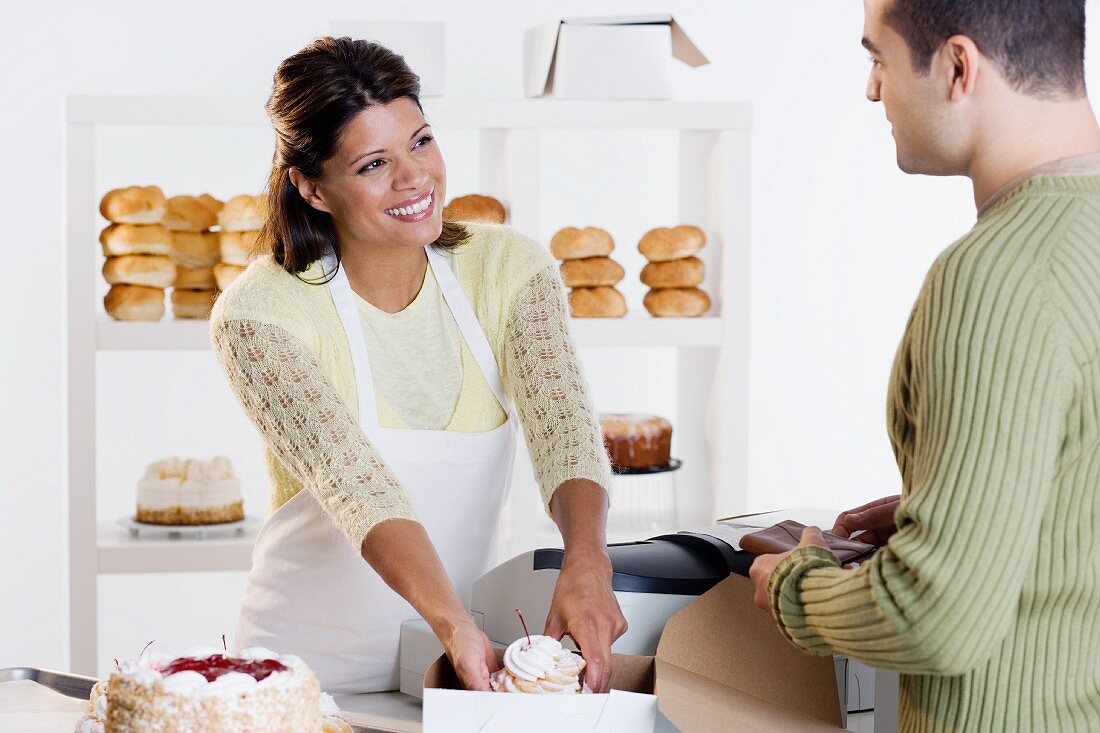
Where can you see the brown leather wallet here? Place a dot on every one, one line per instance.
(786, 536)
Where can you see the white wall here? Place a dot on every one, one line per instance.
(841, 241)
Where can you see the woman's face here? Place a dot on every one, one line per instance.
(387, 182)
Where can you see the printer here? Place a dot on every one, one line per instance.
(652, 580)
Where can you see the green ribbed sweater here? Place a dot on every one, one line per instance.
(987, 599)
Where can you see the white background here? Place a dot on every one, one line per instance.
(840, 243)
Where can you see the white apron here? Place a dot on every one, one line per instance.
(312, 594)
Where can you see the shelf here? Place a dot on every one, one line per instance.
(543, 114)
(118, 552)
(637, 330)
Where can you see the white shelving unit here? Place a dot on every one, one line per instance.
(711, 423)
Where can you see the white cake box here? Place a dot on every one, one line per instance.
(722, 666)
(422, 44)
(624, 57)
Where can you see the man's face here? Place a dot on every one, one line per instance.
(917, 105)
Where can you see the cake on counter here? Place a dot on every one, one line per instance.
(637, 441)
(177, 491)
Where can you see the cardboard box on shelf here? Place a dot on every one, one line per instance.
(627, 57)
(721, 665)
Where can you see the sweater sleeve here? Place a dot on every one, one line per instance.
(545, 378)
(985, 384)
(307, 426)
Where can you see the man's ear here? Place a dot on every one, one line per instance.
(308, 190)
(962, 63)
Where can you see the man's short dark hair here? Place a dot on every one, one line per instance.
(1039, 45)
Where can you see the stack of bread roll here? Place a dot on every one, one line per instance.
(588, 271)
(137, 246)
(240, 222)
(674, 273)
(475, 207)
(195, 252)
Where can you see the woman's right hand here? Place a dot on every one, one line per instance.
(471, 655)
(874, 521)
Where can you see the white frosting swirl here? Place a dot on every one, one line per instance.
(534, 659)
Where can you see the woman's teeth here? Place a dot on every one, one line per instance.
(410, 210)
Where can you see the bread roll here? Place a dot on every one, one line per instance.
(677, 302)
(575, 244)
(192, 213)
(686, 273)
(153, 271)
(243, 213)
(224, 274)
(194, 278)
(476, 208)
(597, 303)
(133, 205)
(662, 244)
(135, 239)
(238, 248)
(134, 303)
(591, 272)
(193, 303)
(195, 249)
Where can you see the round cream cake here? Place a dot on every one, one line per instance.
(539, 665)
(189, 492)
(207, 691)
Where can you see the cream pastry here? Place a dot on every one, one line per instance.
(540, 665)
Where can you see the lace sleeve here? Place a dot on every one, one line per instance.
(304, 422)
(548, 385)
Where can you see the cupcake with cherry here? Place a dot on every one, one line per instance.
(539, 665)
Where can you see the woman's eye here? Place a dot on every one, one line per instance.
(423, 141)
(373, 165)
(873, 60)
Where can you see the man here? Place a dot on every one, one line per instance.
(986, 592)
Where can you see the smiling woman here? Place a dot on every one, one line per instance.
(380, 352)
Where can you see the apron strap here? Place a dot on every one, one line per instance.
(468, 325)
(340, 289)
(461, 311)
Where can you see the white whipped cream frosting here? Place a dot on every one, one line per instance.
(147, 670)
(173, 482)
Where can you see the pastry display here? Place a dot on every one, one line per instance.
(475, 208)
(192, 213)
(243, 213)
(677, 302)
(208, 691)
(539, 665)
(685, 273)
(637, 441)
(589, 271)
(175, 491)
(195, 278)
(134, 205)
(674, 272)
(152, 271)
(601, 302)
(135, 239)
(592, 272)
(571, 243)
(134, 303)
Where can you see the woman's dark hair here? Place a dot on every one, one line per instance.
(317, 92)
(1039, 45)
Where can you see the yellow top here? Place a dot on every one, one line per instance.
(282, 347)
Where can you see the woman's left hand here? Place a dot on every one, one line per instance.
(585, 609)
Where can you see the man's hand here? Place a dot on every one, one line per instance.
(875, 520)
(763, 565)
(585, 608)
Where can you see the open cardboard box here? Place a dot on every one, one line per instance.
(721, 665)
